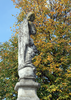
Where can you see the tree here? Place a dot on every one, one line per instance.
(53, 42)
(8, 69)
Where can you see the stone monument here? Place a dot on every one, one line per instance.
(26, 87)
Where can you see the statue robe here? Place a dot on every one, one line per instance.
(26, 47)
(23, 42)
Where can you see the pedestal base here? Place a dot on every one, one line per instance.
(27, 89)
(27, 94)
(27, 98)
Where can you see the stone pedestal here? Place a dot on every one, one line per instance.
(27, 87)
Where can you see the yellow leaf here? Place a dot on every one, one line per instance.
(69, 93)
(54, 89)
(5, 54)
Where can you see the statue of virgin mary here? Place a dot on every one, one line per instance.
(26, 47)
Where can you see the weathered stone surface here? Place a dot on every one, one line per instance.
(26, 47)
(23, 39)
(26, 72)
(27, 89)
(27, 83)
(31, 16)
(28, 98)
(21, 66)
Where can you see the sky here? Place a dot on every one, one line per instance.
(7, 8)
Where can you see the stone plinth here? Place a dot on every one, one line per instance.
(27, 89)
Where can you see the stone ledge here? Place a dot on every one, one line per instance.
(28, 98)
(33, 78)
(26, 83)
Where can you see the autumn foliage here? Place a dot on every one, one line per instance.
(53, 40)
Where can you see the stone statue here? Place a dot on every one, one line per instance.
(26, 86)
(27, 49)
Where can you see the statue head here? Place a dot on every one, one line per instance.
(31, 16)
